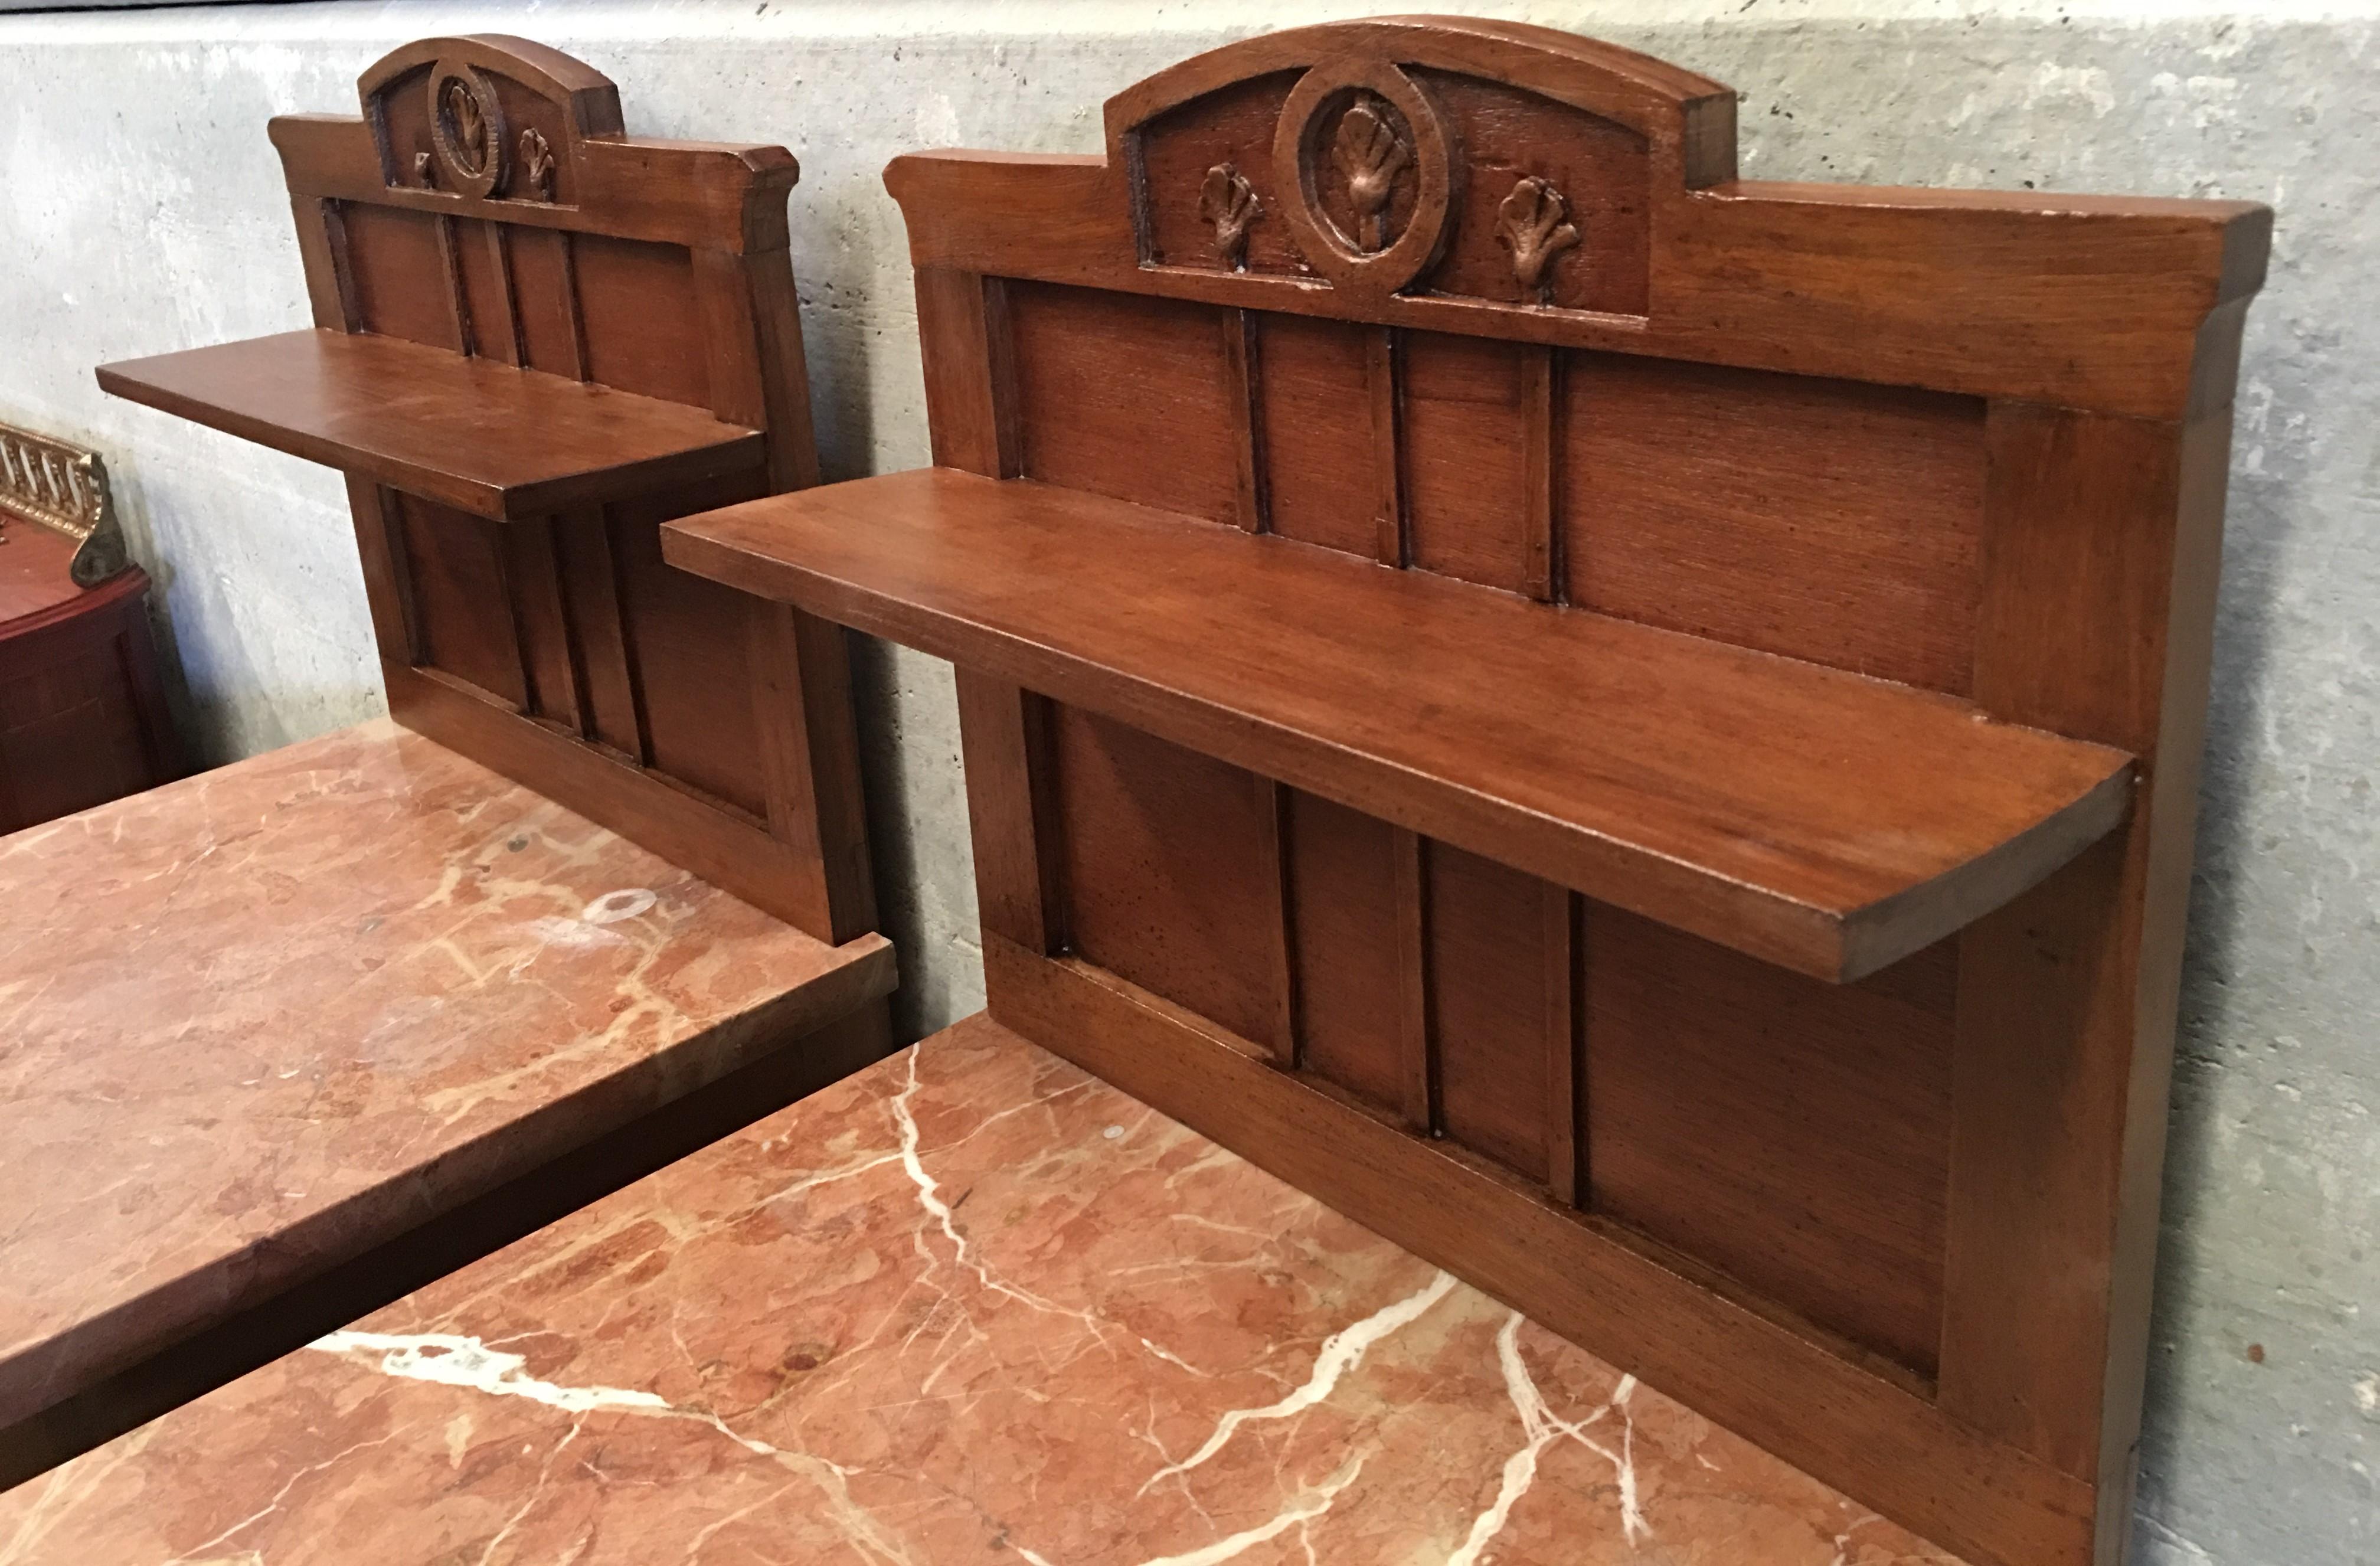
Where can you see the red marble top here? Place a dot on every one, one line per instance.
(259, 1021)
(968, 1307)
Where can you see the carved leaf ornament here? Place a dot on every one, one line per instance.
(1533, 224)
(1369, 154)
(1227, 204)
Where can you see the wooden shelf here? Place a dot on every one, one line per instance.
(472, 433)
(1817, 820)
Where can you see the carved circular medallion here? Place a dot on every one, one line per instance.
(1370, 170)
(467, 129)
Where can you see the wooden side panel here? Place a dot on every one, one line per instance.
(1487, 965)
(1343, 899)
(1795, 1136)
(1820, 520)
(399, 273)
(461, 599)
(689, 652)
(535, 580)
(1316, 416)
(1105, 382)
(643, 323)
(1600, 168)
(1165, 871)
(1465, 414)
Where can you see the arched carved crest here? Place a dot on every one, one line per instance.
(1431, 155)
(486, 115)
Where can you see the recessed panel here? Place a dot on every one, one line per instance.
(1321, 471)
(1598, 167)
(1794, 1134)
(644, 329)
(1233, 127)
(1821, 519)
(1491, 1011)
(399, 273)
(1344, 901)
(541, 296)
(462, 600)
(487, 289)
(1465, 464)
(688, 643)
(1168, 883)
(1125, 397)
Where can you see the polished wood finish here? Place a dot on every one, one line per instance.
(1605, 754)
(535, 338)
(471, 433)
(1606, 500)
(83, 705)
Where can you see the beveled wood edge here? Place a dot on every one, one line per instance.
(1836, 946)
(740, 448)
(1790, 1392)
(737, 856)
(1881, 934)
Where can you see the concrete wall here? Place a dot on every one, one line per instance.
(142, 211)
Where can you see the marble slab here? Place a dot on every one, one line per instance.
(967, 1308)
(260, 1021)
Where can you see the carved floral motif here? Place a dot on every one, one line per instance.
(1533, 222)
(537, 164)
(1228, 203)
(1369, 153)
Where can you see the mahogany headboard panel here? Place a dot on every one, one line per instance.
(1521, 931)
(489, 203)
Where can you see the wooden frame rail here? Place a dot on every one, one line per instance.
(1487, 303)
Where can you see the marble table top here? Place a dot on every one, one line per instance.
(259, 1021)
(967, 1308)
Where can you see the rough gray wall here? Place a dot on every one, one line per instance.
(142, 212)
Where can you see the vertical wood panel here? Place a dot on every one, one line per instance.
(388, 582)
(611, 713)
(970, 375)
(1350, 986)
(459, 304)
(1168, 883)
(809, 762)
(1486, 935)
(323, 248)
(1418, 1067)
(1389, 543)
(1792, 1135)
(1463, 433)
(1314, 418)
(546, 653)
(1012, 811)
